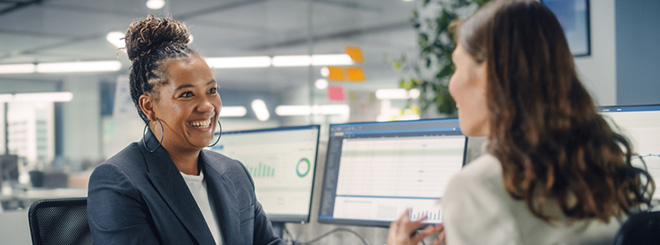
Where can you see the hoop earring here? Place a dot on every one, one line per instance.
(162, 136)
(219, 135)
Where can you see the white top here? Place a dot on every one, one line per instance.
(478, 210)
(197, 186)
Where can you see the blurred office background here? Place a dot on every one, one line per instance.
(80, 118)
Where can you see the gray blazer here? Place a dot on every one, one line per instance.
(478, 210)
(138, 197)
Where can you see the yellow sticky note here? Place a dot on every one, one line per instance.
(355, 53)
(355, 74)
(335, 73)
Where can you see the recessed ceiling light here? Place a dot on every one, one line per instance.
(155, 4)
(325, 72)
(115, 38)
(88, 66)
(238, 62)
(260, 109)
(321, 84)
(233, 111)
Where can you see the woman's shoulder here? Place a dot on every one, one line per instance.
(123, 161)
(485, 167)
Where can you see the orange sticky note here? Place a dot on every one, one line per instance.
(355, 74)
(335, 73)
(355, 53)
(335, 93)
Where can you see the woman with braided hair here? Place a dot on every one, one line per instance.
(165, 189)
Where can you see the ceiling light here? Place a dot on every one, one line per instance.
(331, 59)
(34, 97)
(315, 60)
(17, 68)
(260, 109)
(6, 97)
(155, 4)
(321, 84)
(292, 60)
(89, 66)
(293, 110)
(239, 62)
(325, 72)
(233, 111)
(303, 110)
(115, 38)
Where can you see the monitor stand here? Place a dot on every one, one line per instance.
(278, 228)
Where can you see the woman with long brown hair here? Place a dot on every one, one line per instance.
(554, 171)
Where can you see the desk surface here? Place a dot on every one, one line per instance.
(14, 228)
(39, 193)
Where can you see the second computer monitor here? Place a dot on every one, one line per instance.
(281, 162)
(375, 171)
(641, 125)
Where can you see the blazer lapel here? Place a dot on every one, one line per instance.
(167, 180)
(223, 198)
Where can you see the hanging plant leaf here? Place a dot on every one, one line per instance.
(433, 67)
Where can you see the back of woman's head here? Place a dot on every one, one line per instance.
(149, 43)
(544, 127)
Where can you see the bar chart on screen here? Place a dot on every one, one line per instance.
(261, 170)
(432, 215)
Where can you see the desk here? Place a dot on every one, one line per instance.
(14, 228)
(22, 199)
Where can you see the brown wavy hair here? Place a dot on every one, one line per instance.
(545, 131)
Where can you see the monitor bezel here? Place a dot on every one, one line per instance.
(289, 218)
(601, 109)
(372, 223)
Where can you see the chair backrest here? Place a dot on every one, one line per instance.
(59, 221)
(640, 228)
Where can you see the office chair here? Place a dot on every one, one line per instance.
(59, 221)
(640, 228)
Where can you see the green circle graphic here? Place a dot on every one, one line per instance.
(309, 166)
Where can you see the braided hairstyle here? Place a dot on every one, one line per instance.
(149, 43)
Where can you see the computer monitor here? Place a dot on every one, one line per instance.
(375, 171)
(641, 124)
(282, 162)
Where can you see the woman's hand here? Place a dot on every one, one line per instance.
(401, 231)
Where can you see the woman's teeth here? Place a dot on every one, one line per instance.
(201, 124)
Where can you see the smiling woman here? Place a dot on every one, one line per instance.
(165, 189)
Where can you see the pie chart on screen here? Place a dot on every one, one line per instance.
(303, 167)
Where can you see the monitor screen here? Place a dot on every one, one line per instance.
(281, 162)
(573, 16)
(641, 124)
(375, 171)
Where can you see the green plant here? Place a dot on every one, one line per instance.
(431, 69)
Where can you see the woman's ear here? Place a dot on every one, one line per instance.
(147, 106)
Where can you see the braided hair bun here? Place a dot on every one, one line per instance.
(145, 36)
(149, 43)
